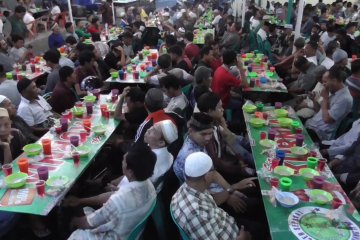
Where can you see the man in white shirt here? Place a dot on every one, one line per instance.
(255, 20)
(217, 17)
(8, 88)
(328, 36)
(171, 87)
(33, 108)
(18, 52)
(328, 62)
(310, 52)
(123, 209)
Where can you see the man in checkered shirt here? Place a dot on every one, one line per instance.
(194, 208)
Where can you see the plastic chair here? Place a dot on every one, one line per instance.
(136, 233)
(183, 234)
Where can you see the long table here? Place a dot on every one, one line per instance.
(59, 164)
(305, 220)
(199, 35)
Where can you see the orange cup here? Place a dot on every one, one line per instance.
(46, 143)
(23, 165)
(87, 124)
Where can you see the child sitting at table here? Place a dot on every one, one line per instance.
(11, 140)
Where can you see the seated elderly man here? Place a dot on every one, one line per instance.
(196, 211)
(121, 210)
(8, 87)
(12, 141)
(336, 104)
(158, 137)
(16, 121)
(33, 108)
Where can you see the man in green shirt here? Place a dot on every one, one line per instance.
(18, 26)
(80, 30)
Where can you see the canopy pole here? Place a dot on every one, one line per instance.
(290, 11)
(113, 12)
(243, 9)
(70, 11)
(299, 20)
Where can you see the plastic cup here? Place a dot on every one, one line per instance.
(40, 188)
(262, 135)
(260, 107)
(121, 75)
(32, 66)
(133, 67)
(265, 116)
(37, 69)
(64, 124)
(294, 126)
(285, 183)
(89, 108)
(153, 63)
(43, 173)
(278, 105)
(257, 82)
(136, 75)
(103, 107)
(106, 114)
(141, 56)
(298, 130)
(271, 134)
(250, 69)
(114, 92)
(23, 165)
(312, 162)
(96, 93)
(321, 164)
(14, 76)
(83, 135)
(74, 140)
(299, 140)
(318, 182)
(274, 182)
(7, 168)
(58, 129)
(76, 158)
(46, 144)
(274, 163)
(23, 67)
(87, 125)
(272, 69)
(313, 153)
(336, 203)
(9, 75)
(252, 83)
(78, 104)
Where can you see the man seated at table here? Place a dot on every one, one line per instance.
(8, 88)
(127, 38)
(177, 58)
(64, 95)
(18, 52)
(306, 81)
(88, 69)
(164, 68)
(16, 121)
(136, 112)
(116, 58)
(52, 58)
(70, 31)
(80, 30)
(5, 59)
(33, 108)
(336, 104)
(121, 210)
(55, 39)
(101, 47)
(224, 80)
(172, 89)
(154, 103)
(238, 146)
(158, 138)
(206, 57)
(196, 211)
(12, 140)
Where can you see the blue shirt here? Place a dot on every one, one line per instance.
(56, 41)
(189, 147)
(340, 105)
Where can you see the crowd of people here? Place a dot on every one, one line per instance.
(176, 129)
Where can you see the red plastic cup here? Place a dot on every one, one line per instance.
(69, 115)
(136, 75)
(318, 182)
(106, 114)
(272, 69)
(262, 135)
(298, 131)
(74, 140)
(274, 163)
(78, 104)
(76, 158)
(40, 188)
(114, 98)
(321, 164)
(336, 203)
(133, 67)
(313, 154)
(37, 69)
(43, 173)
(17, 69)
(83, 135)
(58, 129)
(23, 165)
(265, 116)
(274, 182)
(142, 67)
(87, 125)
(154, 55)
(46, 144)
(32, 66)
(7, 168)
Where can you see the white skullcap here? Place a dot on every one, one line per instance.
(169, 131)
(197, 164)
(339, 55)
(4, 112)
(2, 98)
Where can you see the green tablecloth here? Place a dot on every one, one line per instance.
(60, 166)
(278, 217)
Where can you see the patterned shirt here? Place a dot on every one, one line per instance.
(102, 48)
(120, 214)
(200, 217)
